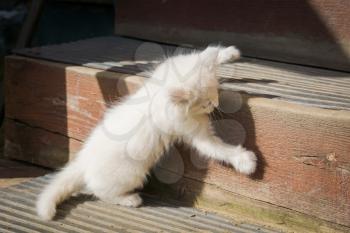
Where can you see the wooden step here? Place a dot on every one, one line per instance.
(85, 214)
(301, 32)
(295, 118)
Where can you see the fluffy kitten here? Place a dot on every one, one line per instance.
(172, 106)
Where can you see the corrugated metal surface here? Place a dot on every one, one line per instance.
(85, 214)
(304, 85)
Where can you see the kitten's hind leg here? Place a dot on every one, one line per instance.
(129, 200)
(228, 54)
(118, 188)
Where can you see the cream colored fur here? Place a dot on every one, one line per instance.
(172, 106)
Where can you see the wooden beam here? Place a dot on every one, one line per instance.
(38, 146)
(304, 162)
(61, 94)
(302, 32)
(212, 198)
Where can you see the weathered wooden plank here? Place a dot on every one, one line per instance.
(47, 145)
(38, 146)
(211, 197)
(65, 99)
(303, 155)
(304, 32)
(15, 172)
(187, 191)
(303, 151)
(293, 83)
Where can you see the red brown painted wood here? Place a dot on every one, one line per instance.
(38, 146)
(303, 151)
(65, 99)
(304, 159)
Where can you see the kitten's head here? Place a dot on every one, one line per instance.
(196, 90)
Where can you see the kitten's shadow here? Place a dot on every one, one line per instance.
(233, 128)
(245, 118)
(65, 209)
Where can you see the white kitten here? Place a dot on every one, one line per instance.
(172, 106)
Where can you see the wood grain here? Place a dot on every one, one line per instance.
(304, 162)
(304, 32)
(38, 146)
(65, 99)
(294, 83)
(211, 197)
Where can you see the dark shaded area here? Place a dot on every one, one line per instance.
(71, 21)
(16, 169)
(298, 31)
(72, 203)
(59, 22)
(12, 14)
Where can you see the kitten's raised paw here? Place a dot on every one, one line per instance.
(228, 54)
(245, 162)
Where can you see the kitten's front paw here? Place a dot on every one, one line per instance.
(228, 54)
(245, 162)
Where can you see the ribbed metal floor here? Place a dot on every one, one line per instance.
(304, 85)
(85, 214)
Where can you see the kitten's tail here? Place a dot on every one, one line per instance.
(68, 181)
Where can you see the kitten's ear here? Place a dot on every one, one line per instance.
(180, 95)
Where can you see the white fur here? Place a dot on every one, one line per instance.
(172, 106)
